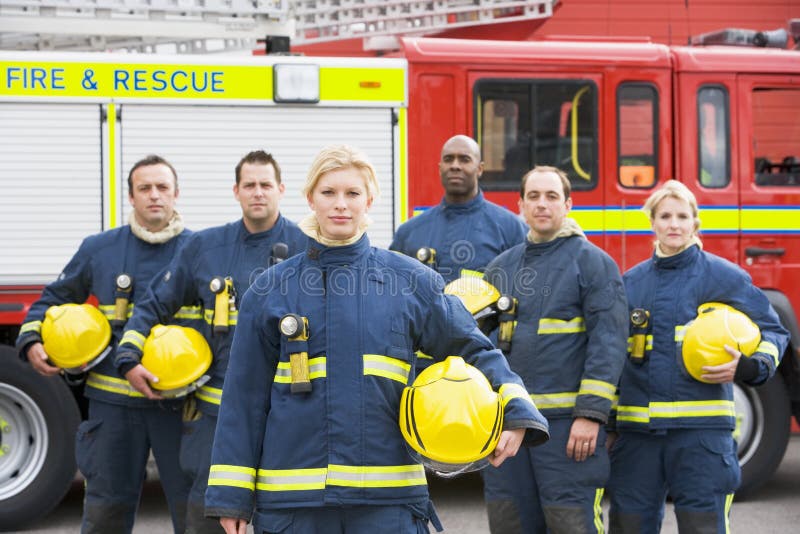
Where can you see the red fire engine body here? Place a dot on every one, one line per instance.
(622, 118)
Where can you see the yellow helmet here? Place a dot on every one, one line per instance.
(715, 326)
(75, 336)
(178, 356)
(450, 417)
(478, 295)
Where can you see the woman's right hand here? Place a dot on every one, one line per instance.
(233, 525)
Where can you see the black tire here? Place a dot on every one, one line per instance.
(40, 417)
(763, 424)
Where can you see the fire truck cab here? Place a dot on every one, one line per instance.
(621, 118)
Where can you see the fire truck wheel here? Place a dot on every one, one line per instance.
(763, 419)
(38, 420)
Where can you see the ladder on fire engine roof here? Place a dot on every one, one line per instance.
(196, 26)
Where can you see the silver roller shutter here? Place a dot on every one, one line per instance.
(205, 143)
(51, 180)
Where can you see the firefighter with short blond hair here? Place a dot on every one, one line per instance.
(308, 437)
(675, 426)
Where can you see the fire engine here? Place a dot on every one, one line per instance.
(620, 117)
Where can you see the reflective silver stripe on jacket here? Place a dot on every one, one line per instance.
(232, 475)
(317, 368)
(674, 410)
(340, 475)
(387, 367)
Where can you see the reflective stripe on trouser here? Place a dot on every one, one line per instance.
(397, 519)
(541, 489)
(112, 448)
(697, 467)
(198, 436)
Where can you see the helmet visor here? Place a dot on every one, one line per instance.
(447, 470)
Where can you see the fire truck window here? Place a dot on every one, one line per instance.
(713, 137)
(776, 136)
(500, 133)
(637, 119)
(524, 123)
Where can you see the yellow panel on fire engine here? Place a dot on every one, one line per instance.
(715, 326)
(451, 418)
(476, 293)
(75, 336)
(178, 356)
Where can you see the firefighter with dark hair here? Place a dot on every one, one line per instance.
(308, 438)
(465, 231)
(123, 426)
(210, 274)
(568, 345)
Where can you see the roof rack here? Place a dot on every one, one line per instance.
(143, 25)
(740, 37)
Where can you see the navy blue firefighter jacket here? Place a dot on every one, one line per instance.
(368, 311)
(93, 270)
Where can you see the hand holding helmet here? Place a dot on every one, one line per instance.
(715, 340)
(174, 360)
(38, 359)
(725, 372)
(76, 338)
(140, 378)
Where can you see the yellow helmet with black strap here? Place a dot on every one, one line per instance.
(451, 418)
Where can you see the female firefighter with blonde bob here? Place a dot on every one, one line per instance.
(675, 425)
(308, 437)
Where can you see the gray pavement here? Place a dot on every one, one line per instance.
(775, 508)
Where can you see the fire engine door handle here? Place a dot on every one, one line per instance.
(759, 251)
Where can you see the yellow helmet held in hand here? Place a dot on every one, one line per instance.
(450, 417)
(715, 326)
(178, 356)
(75, 336)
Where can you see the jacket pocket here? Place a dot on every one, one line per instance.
(191, 448)
(725, 473)
(274, 522)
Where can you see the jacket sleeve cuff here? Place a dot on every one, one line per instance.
(24, 342)
(216, 513)
(594, 415)
(749, 370)
(125, 361)
(535, 433)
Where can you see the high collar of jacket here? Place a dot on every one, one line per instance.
(569, 228)
(679, 260)
(462, 207)
(310, 226)
(247, 236)
(173, 228)
(338, 255)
